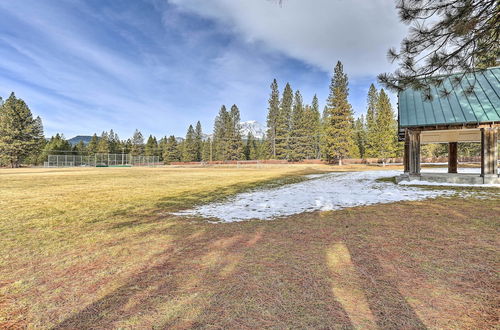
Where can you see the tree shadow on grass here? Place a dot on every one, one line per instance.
(216, 279)
(388, 306)
(255, 275)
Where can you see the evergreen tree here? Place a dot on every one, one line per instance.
(255, 149)
(80, 148)
(446, 36)
(198, 137)
(151, 148)
(371, 121)
(155, 144)
(20, 134)
(314, 129)
(92, 147)
(261, 150)
(272, 117)
(57, 145)
(126, 146)
(207, 150)
(162, 144)
(235, 142)
(283, 122)
(171, 152)
(338, 120)
(250, 149)
(360, 135)
(137, 147)
(190, 152)
(37, 157)
(298, 133)
(114, 142)
(386, 128)
(103, 144)
(220, 134)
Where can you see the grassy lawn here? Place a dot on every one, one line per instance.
(83, 248)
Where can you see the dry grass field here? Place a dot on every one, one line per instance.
(97, 248)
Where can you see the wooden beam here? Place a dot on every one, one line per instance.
(406, 155)
(452, 157)
(454, 127)
(489, 151)
(414, 152)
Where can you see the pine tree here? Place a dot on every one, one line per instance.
(371, 121)
(126, 146)
(261, 150)
(298, 131)
(386, 128)
(137, 147)
(272, 117)
(114, 142)
(314, 129)
(283, 122)
(235, 142)
(190, 151)
(80, 148)
(103, 144)
(57, 145)
(446, 36)
(151, 148)
(255, 150)
(20, 134)
(207, 150)
(249, 146)
(171, 152)
(360, 135)
(338, 119)
(92, 147)
(220, 134)
(37, 157)
(161, 147)
(198, 138)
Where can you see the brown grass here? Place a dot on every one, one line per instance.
(79, 254)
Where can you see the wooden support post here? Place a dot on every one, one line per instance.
(406, 155)
(452, 157)
(414, 152)
(489, 151)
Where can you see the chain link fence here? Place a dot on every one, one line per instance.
(101, 160)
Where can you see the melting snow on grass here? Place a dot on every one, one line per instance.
(325, 192)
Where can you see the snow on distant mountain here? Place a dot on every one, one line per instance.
(254, 127)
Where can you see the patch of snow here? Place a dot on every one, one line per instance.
(446, 184)
(445, 170)
(326, 192)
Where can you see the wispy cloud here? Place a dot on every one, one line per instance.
(87, 66)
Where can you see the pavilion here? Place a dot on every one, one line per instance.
(461, 116)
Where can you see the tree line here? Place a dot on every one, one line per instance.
(295, 131)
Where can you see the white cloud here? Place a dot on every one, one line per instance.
(318, 32)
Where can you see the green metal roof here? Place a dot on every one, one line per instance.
(481, 106)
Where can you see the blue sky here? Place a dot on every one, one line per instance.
(86, 66)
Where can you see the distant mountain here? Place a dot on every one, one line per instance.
(75, 140)
(257, 129)
(252, 126)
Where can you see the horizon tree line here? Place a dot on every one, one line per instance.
(295, 131)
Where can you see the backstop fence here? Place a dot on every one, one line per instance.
(101, 160)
